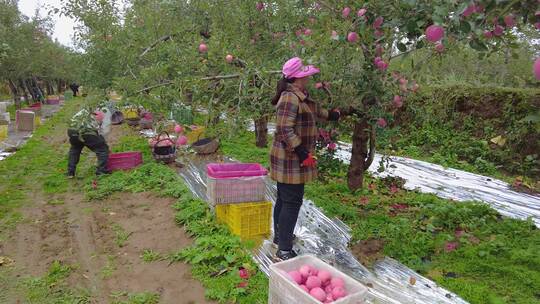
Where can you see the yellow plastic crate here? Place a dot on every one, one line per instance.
(3, 131)
(247, 220)
(130, 113)
(195, 134)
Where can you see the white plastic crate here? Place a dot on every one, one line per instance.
(236, 190)
(284, 291)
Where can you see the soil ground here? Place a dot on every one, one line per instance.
(105, 241)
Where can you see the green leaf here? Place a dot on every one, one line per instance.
(402, 47)
(478, 45)
(465, 27)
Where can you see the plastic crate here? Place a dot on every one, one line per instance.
(3, 131)
(5, 118)
(53, 100)
(231, 170)
(124, 161)
(68, 95)
(195, 134)
(229, 183)
(25, 120)
(247, 220)
(182, 114)
(284, 291)
(130, 113)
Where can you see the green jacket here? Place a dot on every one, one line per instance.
(85, 123)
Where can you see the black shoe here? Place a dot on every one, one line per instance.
(276, 239)
(285, 255)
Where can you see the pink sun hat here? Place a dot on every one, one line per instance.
(294, 68)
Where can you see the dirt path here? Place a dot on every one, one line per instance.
(105, 242)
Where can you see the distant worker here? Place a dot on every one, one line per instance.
(85, 131)
(75, 88)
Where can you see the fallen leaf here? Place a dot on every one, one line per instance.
(412, 280)
(5, 261)
(499, 141)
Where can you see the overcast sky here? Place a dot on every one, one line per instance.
(63, 27)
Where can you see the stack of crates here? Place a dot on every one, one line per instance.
(25, 120)
(4, 121)
(237, 192)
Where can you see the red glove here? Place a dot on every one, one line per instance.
(310, 161)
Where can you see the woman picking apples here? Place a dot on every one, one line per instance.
(291, 157)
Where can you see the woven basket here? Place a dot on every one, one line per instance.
(206, 146)
(157, 152)
(133, 122)
(117, 118)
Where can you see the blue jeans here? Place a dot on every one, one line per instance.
(96, 143)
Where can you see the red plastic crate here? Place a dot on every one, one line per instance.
(124, 160)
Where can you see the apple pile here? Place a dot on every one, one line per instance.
(319, 283)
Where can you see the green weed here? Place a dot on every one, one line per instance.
(109, 268)
(135, 298)
(149, 255)
(121, 235)
(52, 288)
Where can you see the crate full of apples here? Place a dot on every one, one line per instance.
(307, 279)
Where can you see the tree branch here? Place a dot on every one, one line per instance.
(154, 86)
(401, 54)
(218, 77)
(153, 45)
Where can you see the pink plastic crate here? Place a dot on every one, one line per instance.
(124, 160)
(236, 183)
(231, 170)
(53, 101)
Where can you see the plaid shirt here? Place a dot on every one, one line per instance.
(296, 125)
(85, 123)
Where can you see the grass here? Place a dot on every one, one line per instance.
(495, 260)
(135, 298)
(149, 255)
(53, 288)
(109, 268)
(121, 235)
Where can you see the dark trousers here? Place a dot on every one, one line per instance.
(96, 143)
(288, 203)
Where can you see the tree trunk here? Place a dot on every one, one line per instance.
(14, 94)
(261, 131)
(24, 92)
(40, 89)
(59, 86)
(361, 156)
(28, 85)
(48, 88)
